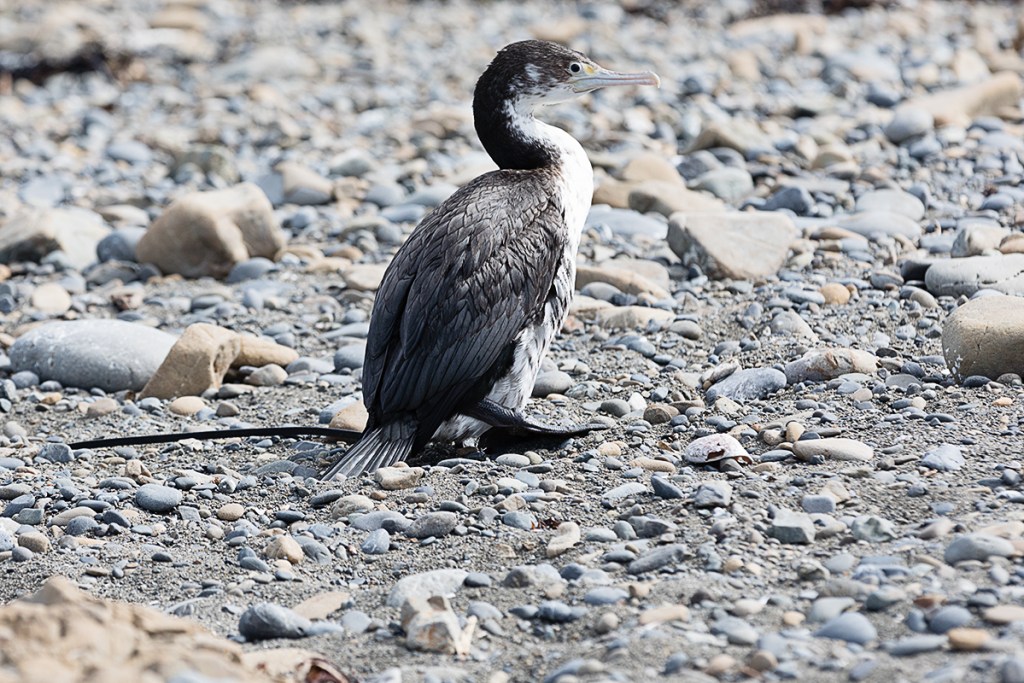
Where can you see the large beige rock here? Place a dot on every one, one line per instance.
(63, 634)
(207, 233)
(733, 245)
(985, 337)
(257, 352)
(958, 106)
(353, 416)
(197, 362)
(31, 234)
(668, 197)
(631, 317)
(624, 279)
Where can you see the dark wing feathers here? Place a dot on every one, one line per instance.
(470, 277)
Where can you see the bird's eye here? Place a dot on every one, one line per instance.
(575, 67)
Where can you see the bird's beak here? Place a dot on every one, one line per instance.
(596, 77)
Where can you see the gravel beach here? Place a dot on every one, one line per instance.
(799, 313)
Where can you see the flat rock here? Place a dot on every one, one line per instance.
(895, 201)
(566, 536)
(853, 627)
(751, 384)
(107, 354)
(257, 352)
(198, 361)
(977, 546)
(740, 246)
(294, 183)
(792, 527)
(977, 238)
(959, 106)
(208, 233)
(668, 197)
(944, 457)
(631, 317)
(624, 279)
(965, 276)
(51, 298)
(820, 365)
(985, 336)
(874, 223)
(31, 234)
(833, 448)
(437, 582)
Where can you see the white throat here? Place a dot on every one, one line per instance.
(576, 175)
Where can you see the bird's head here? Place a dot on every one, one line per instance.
(533, 73)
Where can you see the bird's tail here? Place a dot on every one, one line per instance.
(379, 447)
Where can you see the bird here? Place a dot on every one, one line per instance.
(472, 300)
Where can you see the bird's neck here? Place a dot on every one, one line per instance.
(515, 139)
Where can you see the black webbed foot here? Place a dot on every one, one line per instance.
(515, 423)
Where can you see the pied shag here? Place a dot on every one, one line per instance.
(472, 300)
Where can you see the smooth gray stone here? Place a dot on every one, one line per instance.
(266, 620)
(552, 382)
(977, 547)
(965, 276)
(377, 542)
(627, 223)
(908, 122)
(157, 498)
(605, 595)
(119, 245)
(350, 356)
(657, 558)
(433, 524)
(915, 645)
(736, 630)
(391, 520)
(949, 617)
(945, 457)
(748, 385)
(853, 627)
(896, 201)
(107, 354)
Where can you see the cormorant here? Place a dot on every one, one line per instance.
(474, 297)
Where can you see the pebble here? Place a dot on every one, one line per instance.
(833, 448)
(432, 524)
(944, 457)
(157, 498)
(266, 621)
(977, 546)
(792, 527)
(851, 627)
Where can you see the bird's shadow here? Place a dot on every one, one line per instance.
(492, 444)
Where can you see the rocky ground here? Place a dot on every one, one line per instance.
(799, 313)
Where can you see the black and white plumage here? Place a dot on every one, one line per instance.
(474, 297)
